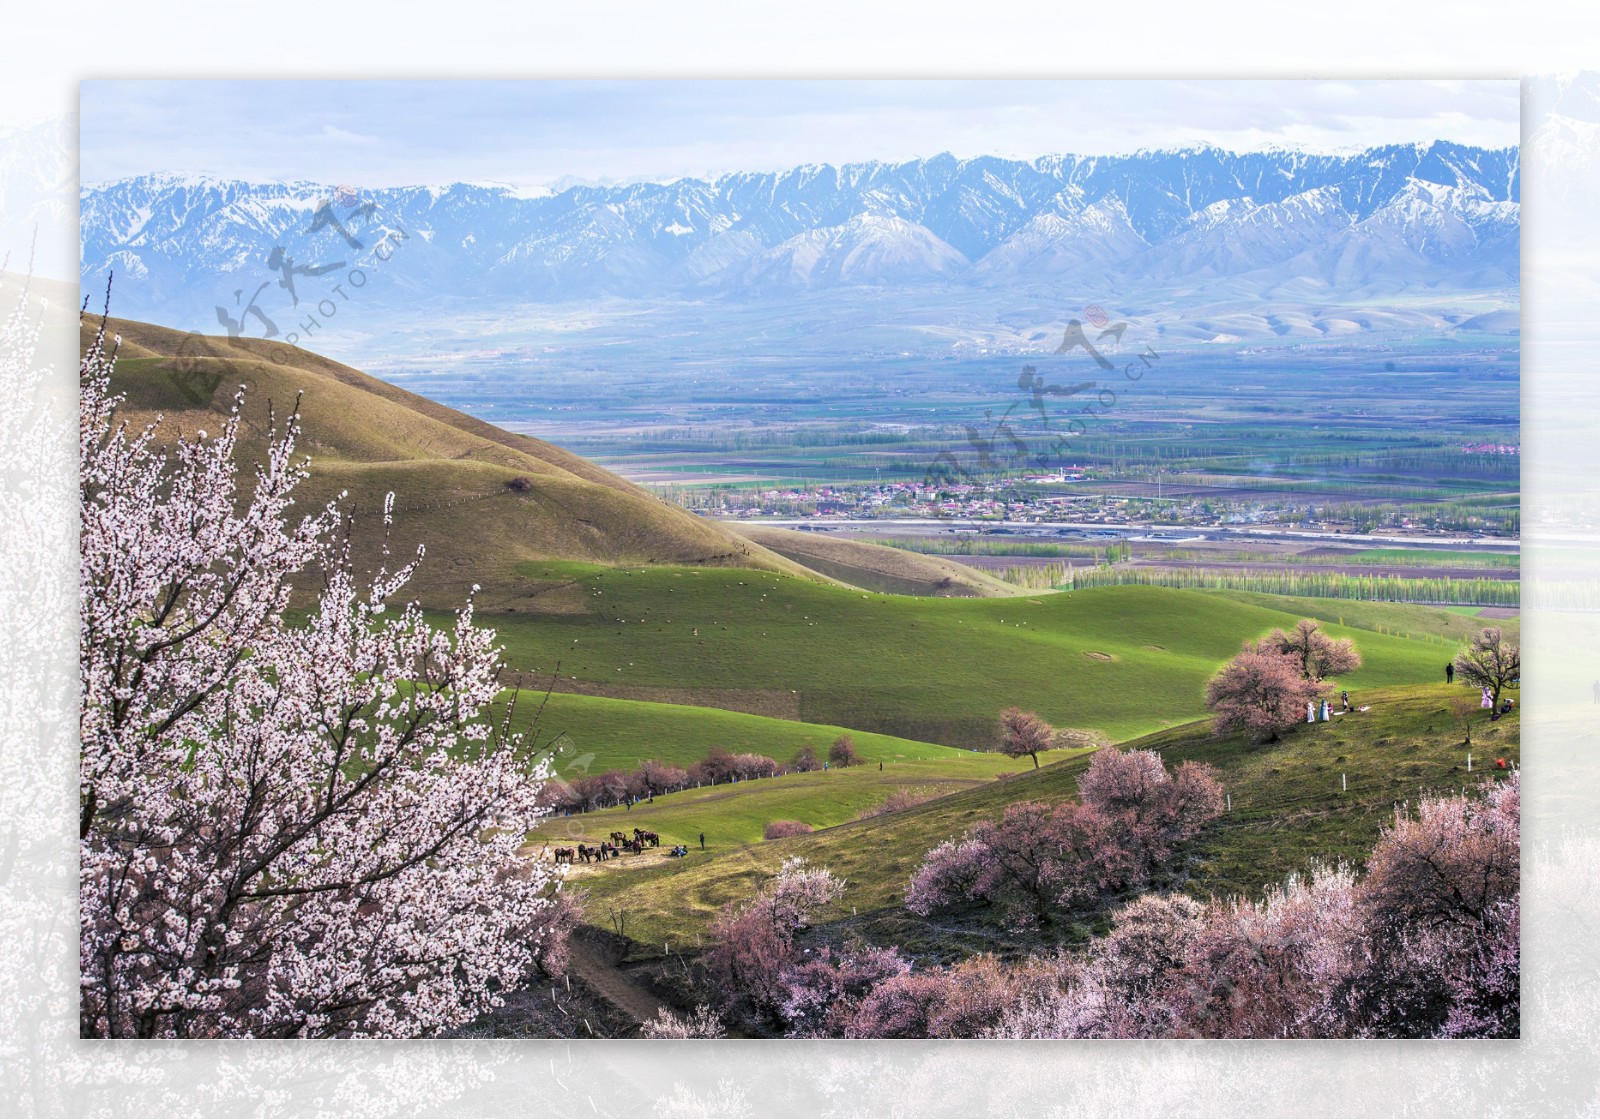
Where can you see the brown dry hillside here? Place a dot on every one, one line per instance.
(484, 501)
(872, 567)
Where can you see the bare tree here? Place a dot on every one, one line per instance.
(1461, 710)
(1491, 662)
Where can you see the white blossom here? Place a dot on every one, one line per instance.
(286, 828)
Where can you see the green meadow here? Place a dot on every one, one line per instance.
(1119, 661)
(591, 734)
(734, 814)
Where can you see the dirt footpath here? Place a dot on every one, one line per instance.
(611, 984)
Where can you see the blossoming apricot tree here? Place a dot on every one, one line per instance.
(286, 827)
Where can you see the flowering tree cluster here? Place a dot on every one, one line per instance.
(843, 752)
(821, 992)
(286, 829)
(755, 943)
(725, 766)
(619, 787)
(1317, 655)
(963, 1001)
(615, 787)
(1039, 860)
(1424, 944)
(1265, 689)
(1260, 692)
(805, 760)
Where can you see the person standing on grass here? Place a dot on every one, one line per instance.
(1311, 711)
(1450, 675)
(1345, 698)
(1326, 714)
(702, 841)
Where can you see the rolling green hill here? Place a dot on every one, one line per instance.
(482, 499)
(1121, 661)
(1288, 810)
(599, 733)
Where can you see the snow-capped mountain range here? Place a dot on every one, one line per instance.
(1436, 218)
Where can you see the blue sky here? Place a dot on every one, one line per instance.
(532, 133)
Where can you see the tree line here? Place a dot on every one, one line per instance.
(626, 787)
(1325, 585)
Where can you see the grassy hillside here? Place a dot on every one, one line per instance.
(1122, 661)
(873, 567)
(1288, 811)
(1447, 627)
(733, 815)
(455, 479)
(598, 733)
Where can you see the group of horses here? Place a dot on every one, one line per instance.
(619, 843)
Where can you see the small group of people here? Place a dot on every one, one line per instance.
(679, 851)
(1327, 709)
(1488, 702)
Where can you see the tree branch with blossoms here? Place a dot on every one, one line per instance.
(287, 828)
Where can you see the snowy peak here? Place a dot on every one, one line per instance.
(872, 247)
(1090, 240)
(1441, 214)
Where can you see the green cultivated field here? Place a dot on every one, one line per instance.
(1123, 661)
